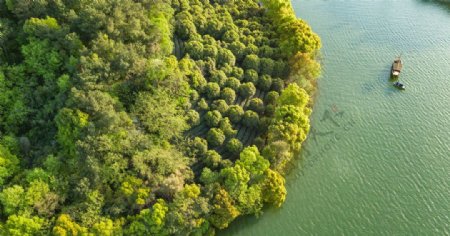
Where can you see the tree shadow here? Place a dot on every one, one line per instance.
(444, 4)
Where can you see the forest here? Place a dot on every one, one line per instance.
(149, 117)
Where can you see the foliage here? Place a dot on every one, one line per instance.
(9, 164)
(127, 117)
(159, 114)
(212, 118)
(215, 137)
(256, 105)
(228, 95)
(247, 89)
(234, 146)
(250, 119)
(220, 105)
(235, 113)
(264, 83)
(274, 190)
(212, 90)
(223, 210)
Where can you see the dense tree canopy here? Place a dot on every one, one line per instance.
(148, 117)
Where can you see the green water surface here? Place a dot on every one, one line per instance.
(377, 161)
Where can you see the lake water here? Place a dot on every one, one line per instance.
(377, 161)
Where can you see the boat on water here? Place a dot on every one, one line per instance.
(396, 67)
(399, 85)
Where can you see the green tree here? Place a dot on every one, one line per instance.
(212, 159)
(294, 95)
(64, 225)
(279, 155)
(193, 118)
(220, 105)
(251, 62)
(227, 128)
(252, 161)
(215, 137)
(234, 146)
(203, 104)
(21, 225)
(224, 211)
(13, 200)
(256, 105)
(212, 90)
(235, 179)
(232, 83)
(277, 84)
(42, 28)
(195, 49)
(251, 75)
(228, 95)
(159, 114)
(265, 82)
(247, 89)
(274, 190)
(149, 221)
(226, 57)
(250, 119)
(272, 97)
(212, 118)
(266, 66)
(9, 164)
(42, 59)
(70, 125)
(199, 146)
(235, 113)
(208, 176)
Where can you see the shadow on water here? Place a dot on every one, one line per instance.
(444, 4)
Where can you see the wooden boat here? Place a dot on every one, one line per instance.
(396, 67)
